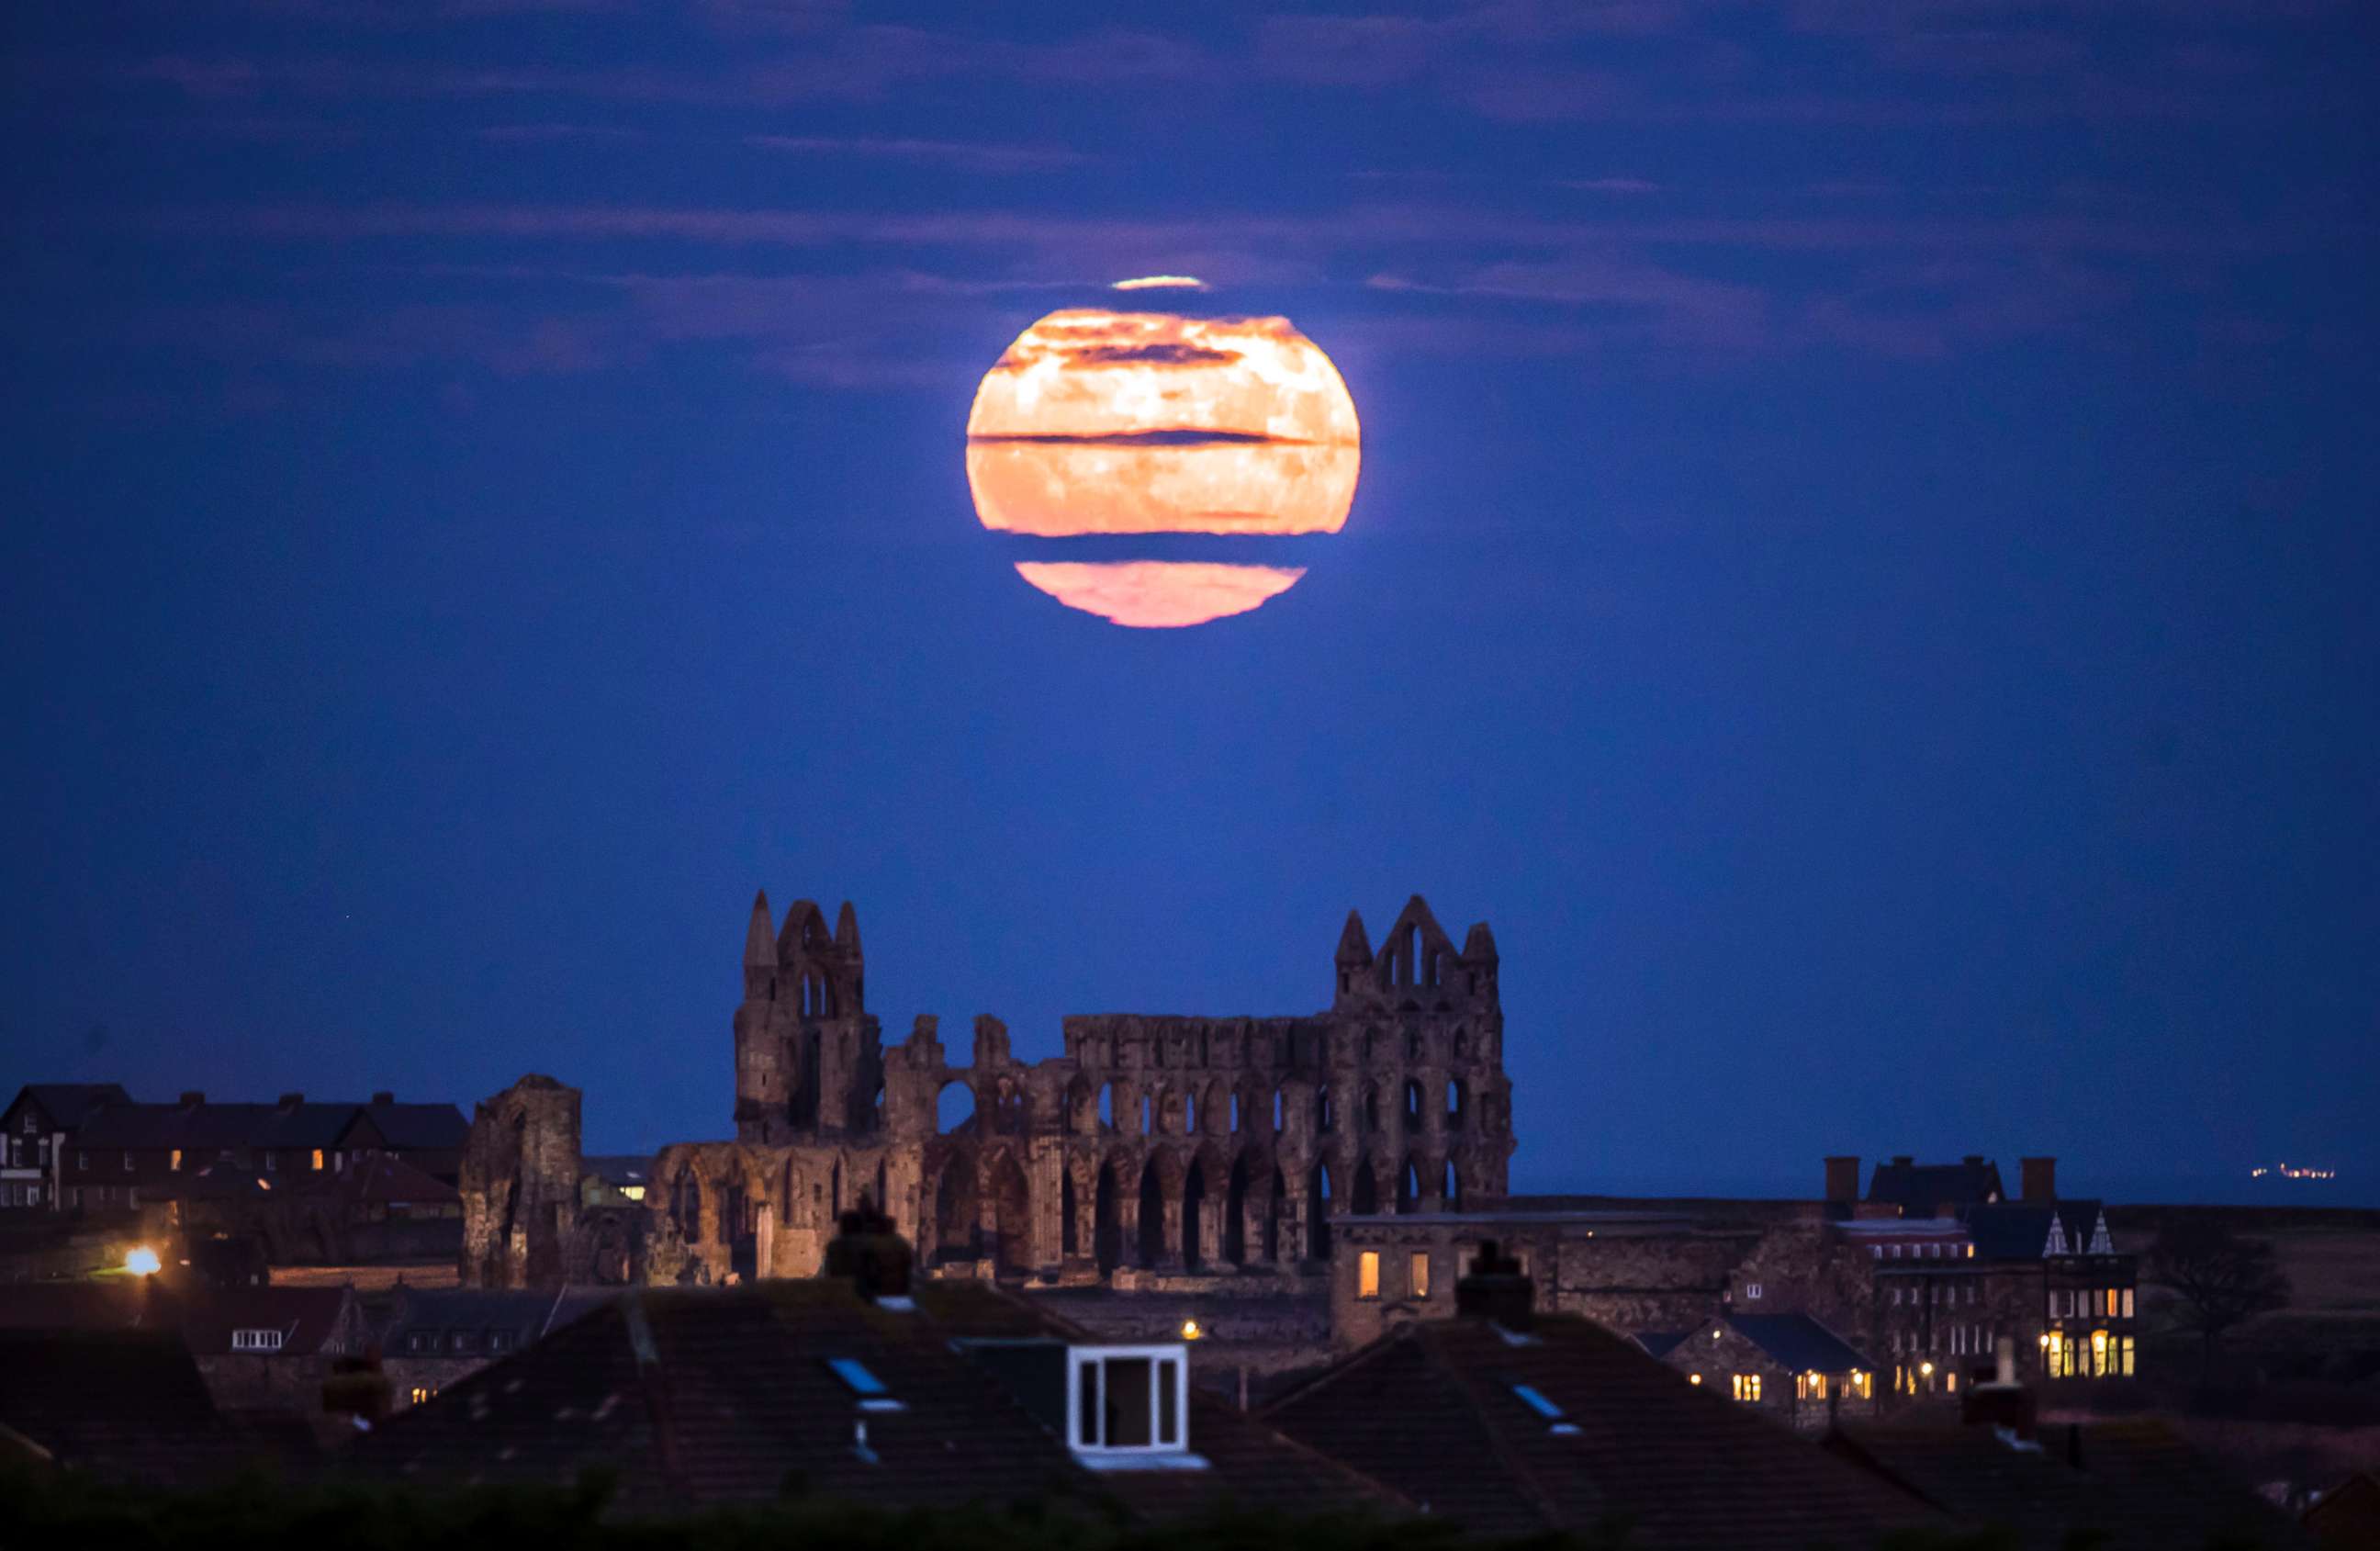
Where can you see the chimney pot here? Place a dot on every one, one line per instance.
(291, 1100)
(1842, 1178)
(1902, 1160)
(2040, 1178)
(385, 1096)
(192, 1098)
(1973, 1160)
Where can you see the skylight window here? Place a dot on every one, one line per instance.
(855, 1378)
(1534, 1399)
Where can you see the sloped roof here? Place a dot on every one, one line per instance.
(2348, 1515)
(1433, 1407)
(1798, 1342)
(1921, 1187)
(383, 1178)
(122, 1404)
(114, 1304)
(418, 1127)
(67, 1103)
(2011, 1231)
(303, 1125)
(2134, 1484)
(305, 1316)
(720, 1394)
(528, 1316)
(1661, 1343)
(617, 1168)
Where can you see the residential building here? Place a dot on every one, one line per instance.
(430, 1338)
(34, 1128)
(1788, 1366)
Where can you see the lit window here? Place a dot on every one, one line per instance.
(2128, 1303)
(174, 1161)
(1126, 1405)
(1810, 1386)
(1367, 1274)
(860, 1381)
(421, 1392)
(634, 1192)
(1747, 1386)
(256, 1340)
(1417, 1273)
(1862, 1384)
(318, 1160)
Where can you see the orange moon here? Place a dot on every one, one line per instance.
(1104, 422)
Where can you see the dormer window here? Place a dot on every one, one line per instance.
(1127, 1407)
(857, 1378)
(256, 1340)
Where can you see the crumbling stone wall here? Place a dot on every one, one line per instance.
(1155, 1148)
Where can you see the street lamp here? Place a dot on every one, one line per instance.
(142, 1261)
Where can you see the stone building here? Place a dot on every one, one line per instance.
(1155, 1148)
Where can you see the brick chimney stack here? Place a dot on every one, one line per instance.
(1842, 1179)
(2002, 1401)
(193, 1098)
(1496, 1290)
(289, 1101)
(2040, 1175)
(385, 1096)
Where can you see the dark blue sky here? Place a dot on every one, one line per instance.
(1862, 571)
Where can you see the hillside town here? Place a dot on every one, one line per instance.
(1271, 1260)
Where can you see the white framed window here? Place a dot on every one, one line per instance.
(1751, 1289)
(127, 1163)
(1129, 1406)
(256, 1340)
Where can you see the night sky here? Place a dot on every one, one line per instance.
(1862, 569)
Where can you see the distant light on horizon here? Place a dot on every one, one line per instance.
(1161, 282)
(2290, 1172)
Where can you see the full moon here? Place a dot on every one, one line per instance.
(1104, 422)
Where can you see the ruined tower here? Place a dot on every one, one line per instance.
(809, 1063)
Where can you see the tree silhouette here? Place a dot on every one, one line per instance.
(2222, 1280)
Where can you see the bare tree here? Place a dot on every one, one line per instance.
(2222, 1280)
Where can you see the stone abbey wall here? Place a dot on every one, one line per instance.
(1156, 1146)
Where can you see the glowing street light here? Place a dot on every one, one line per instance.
(143, 1261)
(1190, 1330)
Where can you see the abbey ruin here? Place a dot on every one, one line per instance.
(1156, 1146)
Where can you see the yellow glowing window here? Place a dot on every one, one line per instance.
(1417, 1273)
(1747, 1386)
(1811, 1386)
(634, 1192)
(318, 1160)
(1862, 1384)
(422, 1393)
(1367, 1274)
(175, 1160)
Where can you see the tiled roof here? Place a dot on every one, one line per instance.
(418, 1127)
(115, 1304)
(122, 1404)
(528, 1316)
(720, 1394)
(1798, 1342)
(196, 1126)
(1661, 1343)
(2012, 1231)
(1921, 1187)
(2348, 1515)
(67, 1103)
(383, 1178)
(305, 1316)
(2129, 1486)
(1433, 1407)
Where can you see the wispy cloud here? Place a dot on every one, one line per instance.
(961, 155)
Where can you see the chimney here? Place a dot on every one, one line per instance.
(1973, 1160)
(2040, 1178)
(867, 1250)
(1843, 1179)
(290, 1101)
(1903, 1161)
(2003, 1402)
(385, 1096)
(1496, 1290)
(193, 1098)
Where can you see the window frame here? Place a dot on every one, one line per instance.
(1158, 1355)
(1368, 1275)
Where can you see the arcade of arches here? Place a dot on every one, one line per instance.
(1166, 1143)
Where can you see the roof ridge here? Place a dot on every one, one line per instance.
(1539, 1499)
(1331, 1372)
